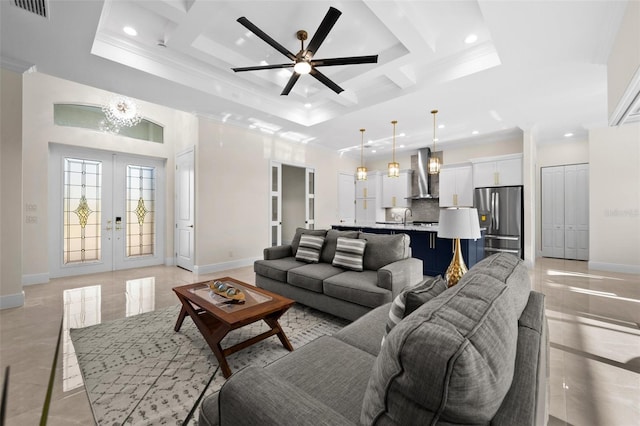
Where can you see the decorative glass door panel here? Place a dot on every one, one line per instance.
(275, 219)
(82, 211)
(140, 211)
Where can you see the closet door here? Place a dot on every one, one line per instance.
(553, 214)
(576, 199)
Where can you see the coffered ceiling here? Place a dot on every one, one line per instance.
(536, 65)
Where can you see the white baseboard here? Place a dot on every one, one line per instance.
(12, 300)
(615, 267)
(31, 279)
(217, 267)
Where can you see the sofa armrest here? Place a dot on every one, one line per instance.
(253, 396)
(397, 275)
(278, 252)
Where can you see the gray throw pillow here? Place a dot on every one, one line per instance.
(349, 253)
(300, 231)
(330, 242)
(428, 289)
(309, 248)
(419, 296)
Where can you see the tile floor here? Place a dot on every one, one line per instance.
(594, 327)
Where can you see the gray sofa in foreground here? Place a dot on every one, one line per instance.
(474, 354)
(387, 268)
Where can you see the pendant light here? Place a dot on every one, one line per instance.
(394, 168)
(434, 162)
(361, 172)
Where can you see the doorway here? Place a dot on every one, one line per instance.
(106, 211)
(292, 201)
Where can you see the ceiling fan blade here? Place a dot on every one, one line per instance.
(292, 81)
(262, 67)
(326, 81)
(323, 30)
(351, 60)
(271, 42)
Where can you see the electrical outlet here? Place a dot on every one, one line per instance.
(31, 219)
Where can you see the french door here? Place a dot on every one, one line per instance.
(106, 211)
(275, 201)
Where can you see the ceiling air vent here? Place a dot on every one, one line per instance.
(39, 7)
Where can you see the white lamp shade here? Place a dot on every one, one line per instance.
(459, 223)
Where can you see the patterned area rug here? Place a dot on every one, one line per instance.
(138, 371)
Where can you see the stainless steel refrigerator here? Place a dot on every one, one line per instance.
(501, 212)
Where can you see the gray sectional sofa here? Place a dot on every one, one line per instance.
(474, 354)
(387, 268)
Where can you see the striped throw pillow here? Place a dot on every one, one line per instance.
(427, 290)
(309, 248)
(349, 253)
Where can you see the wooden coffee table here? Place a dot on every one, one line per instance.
(215, 318)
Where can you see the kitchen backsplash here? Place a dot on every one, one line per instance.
(422, 211)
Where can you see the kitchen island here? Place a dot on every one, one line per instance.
(435, 253)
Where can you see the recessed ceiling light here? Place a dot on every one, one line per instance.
(475, 132)
(373, 150)
(568, 135)
(307, 105)
(440, 126)
(130, 31)
(401, 146)
(471, 38)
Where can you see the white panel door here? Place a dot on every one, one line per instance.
(582, 212)
(553, 235)
(184, 240)
(346, 198)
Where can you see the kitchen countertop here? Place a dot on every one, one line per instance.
(393, 225)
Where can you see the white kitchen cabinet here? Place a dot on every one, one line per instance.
(369, 188)
(368, 199)
(456, 186)
(396, 190)
(497, 171)
(565, 211)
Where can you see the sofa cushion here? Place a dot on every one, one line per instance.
(309, 248)
(277, 268)
(349, 253)
(325, 368)
(299, 231)
(330, 241)
(357, 287)
(464, 372)
(383, 249)
(429, 288)
(310, 276)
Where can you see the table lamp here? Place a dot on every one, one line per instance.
(457, 223)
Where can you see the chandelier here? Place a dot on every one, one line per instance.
(393, 167)
(361, 172)
(434, 162)
(121, 111)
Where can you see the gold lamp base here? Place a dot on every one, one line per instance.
(457, 268)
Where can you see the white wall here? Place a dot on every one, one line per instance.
(232, 187)
(614, 205)
(40, 92)
(11, 294)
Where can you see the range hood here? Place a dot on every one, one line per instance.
(424, 178)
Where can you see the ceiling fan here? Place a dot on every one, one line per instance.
(303, 62)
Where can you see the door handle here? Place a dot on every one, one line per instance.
(190, 226)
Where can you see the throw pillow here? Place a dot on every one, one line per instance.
(309, 248)
(349, 253)
(418, 297)
(428, 289)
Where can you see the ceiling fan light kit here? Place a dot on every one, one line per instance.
(303, 62)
